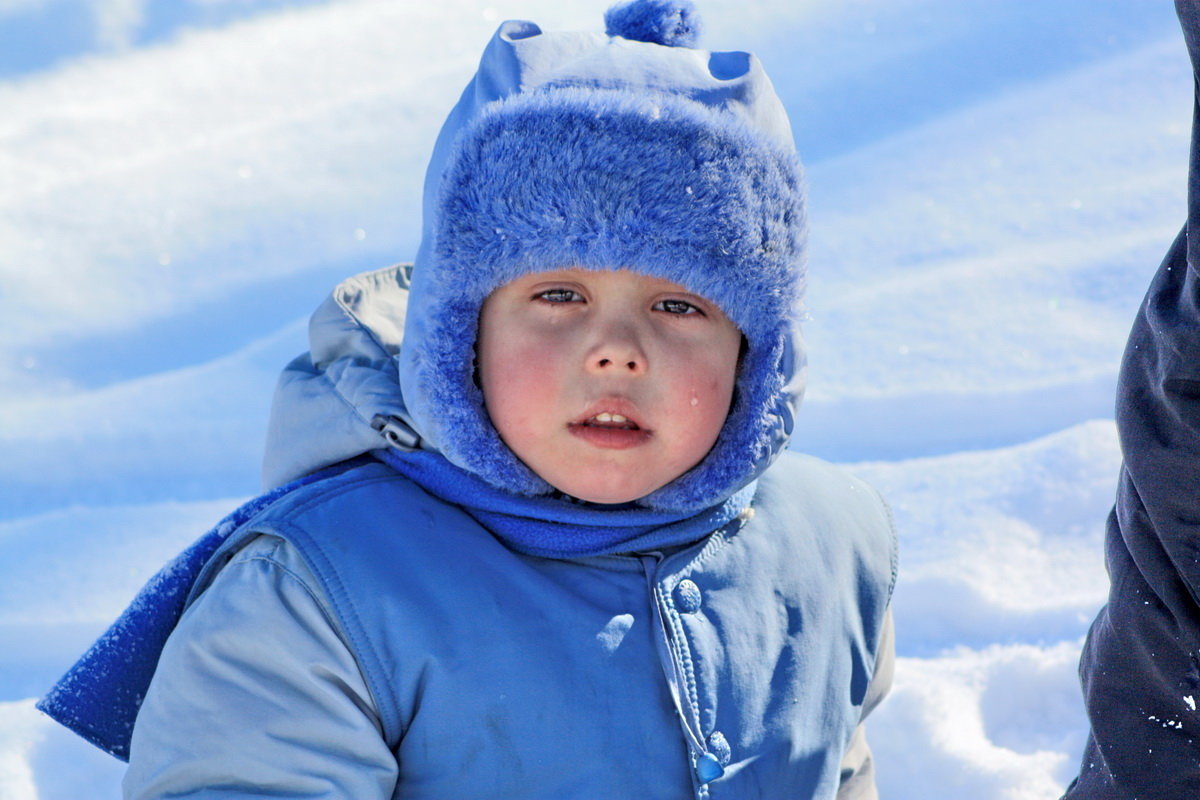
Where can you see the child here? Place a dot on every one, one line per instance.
(1141, 663)
(545, 543)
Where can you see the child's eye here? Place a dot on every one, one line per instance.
(559, 296)
(681, 307)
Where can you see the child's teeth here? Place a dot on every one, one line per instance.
(604, 416)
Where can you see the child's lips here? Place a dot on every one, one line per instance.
(610, 437)
(606, 420)
(610, 423)
(613, 411)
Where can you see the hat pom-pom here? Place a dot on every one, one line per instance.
(673, 23)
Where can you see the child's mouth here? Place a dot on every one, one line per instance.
(614, 421)
(610, 431)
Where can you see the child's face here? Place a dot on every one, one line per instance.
(560, 350)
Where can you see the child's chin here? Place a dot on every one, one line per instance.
(606, 494)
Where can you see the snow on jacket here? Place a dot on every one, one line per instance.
(1140, 667)
(368, 640)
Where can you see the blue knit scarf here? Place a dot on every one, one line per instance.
(555, 526)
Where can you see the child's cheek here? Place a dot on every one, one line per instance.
(706, 404)
(520, 387)
(708, 407)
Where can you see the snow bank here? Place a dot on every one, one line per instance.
(1001, 572)
(190, 433)
(69, 572)
(43, 761)
(987, 724)
(978, 288)
(1004, 545)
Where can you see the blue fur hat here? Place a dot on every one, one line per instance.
(603, 152)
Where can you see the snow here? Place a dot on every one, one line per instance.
(991, 186)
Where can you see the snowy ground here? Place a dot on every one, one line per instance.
(991, 186)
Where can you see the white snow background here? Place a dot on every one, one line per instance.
(991, 184)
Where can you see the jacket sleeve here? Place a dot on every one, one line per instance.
(858, 768)
(1140, 667)
(257, 695)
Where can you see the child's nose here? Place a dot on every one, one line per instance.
(632, 365)
(618, 352)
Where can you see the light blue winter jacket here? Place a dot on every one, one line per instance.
(361, 639)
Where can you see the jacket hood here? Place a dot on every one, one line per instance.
(342, 398)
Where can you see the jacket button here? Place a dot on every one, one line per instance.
(687, 597)
(719, 747)
(708, 769)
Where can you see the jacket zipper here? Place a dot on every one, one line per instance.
(671, 666)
